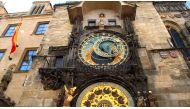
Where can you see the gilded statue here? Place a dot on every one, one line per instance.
(69, 95)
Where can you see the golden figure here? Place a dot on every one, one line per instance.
(69, 95)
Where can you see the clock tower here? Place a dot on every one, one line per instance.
(101, 61)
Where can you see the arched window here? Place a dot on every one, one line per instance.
(178, 42)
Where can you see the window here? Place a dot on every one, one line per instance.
(40, 9)
(112, 22)
(27, 61)
(10, 30)
(1, 54)
(59, 62)
(41, 29)
(37, 9)
(178, 42)
(92, 23)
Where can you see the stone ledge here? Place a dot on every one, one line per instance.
(31, 102)
(165, 90)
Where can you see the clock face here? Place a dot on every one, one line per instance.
(105, 94)
(103, 49)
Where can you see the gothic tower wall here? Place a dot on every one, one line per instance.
(167, 76)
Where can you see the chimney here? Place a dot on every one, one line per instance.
(40, 7)
(1, 3)
(2, 8)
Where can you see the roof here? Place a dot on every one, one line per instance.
(68, 3)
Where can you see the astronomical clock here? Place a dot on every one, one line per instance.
(104, 68)
(102, 65)
(111, 50)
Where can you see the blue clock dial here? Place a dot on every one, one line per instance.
(103, 49)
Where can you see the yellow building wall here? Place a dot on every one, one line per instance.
(26, 40)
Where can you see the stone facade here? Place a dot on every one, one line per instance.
(27, 40)
(147, 16)
(168, 77)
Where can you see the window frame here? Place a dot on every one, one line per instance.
(180, 44)
(22, 59)
(2, 50)
(90, 21)
(57, 60)
(38, 24)
(112, 20)
(37, 9)
(6, 29)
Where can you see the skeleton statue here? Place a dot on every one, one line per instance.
(152, 100)
(140, 99)
(69, 95)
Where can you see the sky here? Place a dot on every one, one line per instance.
(188, 4)
(25, 5)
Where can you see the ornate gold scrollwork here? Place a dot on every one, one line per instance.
(105, 94)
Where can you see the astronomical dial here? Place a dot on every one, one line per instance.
(105, 94)
(103, 49)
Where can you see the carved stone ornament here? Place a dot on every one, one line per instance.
(51, 79)
(164, 54)
(171, 16)
(177, 15)
(4, 100)
(185, 14)
(163, 16)
(173, 54)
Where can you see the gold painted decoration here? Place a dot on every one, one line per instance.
(105, 94)
(103, 49)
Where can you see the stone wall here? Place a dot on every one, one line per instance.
(170, 81)
(59, 29)
(150, 29)
(57, 35)
(33, 91)
(168, 78)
